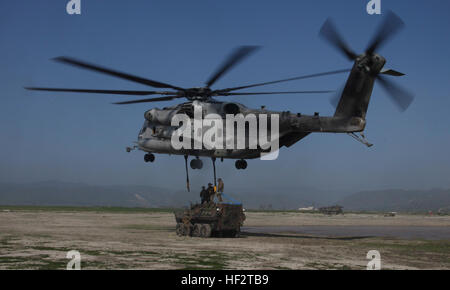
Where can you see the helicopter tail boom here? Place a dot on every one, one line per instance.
(355, 97)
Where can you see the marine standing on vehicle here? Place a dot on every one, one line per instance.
(211, 192)
(204, 195)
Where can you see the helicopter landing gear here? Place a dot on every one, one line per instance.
(196, 163)
(149, 157)
(241, 164)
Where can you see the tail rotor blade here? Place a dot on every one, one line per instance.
(398, 95)
(391, 25)
(329, 32)
(392, 72)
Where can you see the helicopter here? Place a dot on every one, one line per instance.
(351, 105)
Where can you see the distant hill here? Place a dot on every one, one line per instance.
(398, 200)
(79, 194)
(57, 193)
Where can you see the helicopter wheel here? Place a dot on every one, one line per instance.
(241, 164)
(196, 163)
(149, 157)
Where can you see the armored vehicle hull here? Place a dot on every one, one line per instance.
(210, 219)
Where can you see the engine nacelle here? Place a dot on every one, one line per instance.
(157, 116)
(231, 108)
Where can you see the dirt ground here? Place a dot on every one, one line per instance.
(39, 238)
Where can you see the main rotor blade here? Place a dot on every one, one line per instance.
(391, 25)
(168, 98)
(284, 80)
(398, 95)
(330, 33)
(275, 93)
(336, 97)
(118, 74)
(112, 92)
(237, 56)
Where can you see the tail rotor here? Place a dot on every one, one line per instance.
(390, 26)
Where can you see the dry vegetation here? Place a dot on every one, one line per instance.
(39, 238)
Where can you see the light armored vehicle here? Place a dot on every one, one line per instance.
(210, 219)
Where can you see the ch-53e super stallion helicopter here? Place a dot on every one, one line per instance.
(349, 117)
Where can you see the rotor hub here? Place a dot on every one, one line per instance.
(372, 63)
(198, 93)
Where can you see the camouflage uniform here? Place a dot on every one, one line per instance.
(204, 195)
(210, 191)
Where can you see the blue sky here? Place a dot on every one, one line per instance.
(82, 138)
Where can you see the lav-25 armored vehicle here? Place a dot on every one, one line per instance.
(210, 219)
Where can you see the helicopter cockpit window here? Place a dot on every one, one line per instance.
(144, 127)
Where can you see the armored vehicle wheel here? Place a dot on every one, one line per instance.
(183, 229)
(187, 229)
(196, 230)
(205, 231)
(179, 229)
(232, 234)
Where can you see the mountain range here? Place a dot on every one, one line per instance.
(56, 193)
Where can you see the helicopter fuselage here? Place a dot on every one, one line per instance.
(158, 129)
